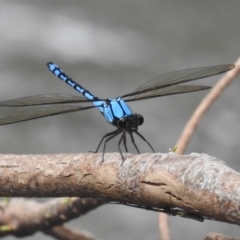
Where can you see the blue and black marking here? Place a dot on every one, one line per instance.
(112, 109)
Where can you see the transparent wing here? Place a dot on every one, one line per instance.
(39, 113)
(170, 90)
(178, 77)
(43, 99)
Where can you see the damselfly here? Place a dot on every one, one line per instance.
(115, 110)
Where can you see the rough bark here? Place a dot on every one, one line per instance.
(24, 217)
(197, 183)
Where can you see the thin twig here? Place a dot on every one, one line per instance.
(206, 103)
(191, 126)
(163, 226)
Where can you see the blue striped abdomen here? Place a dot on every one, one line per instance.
(112, 109)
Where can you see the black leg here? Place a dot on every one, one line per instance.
(125, 142)
(144, 139)
(106, 135)
(133, 141)
(114, 134)
(120, 140)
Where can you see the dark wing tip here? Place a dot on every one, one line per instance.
(225, 68)
(206, 87)
(231, 66)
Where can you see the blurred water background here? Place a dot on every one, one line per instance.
(111, 47)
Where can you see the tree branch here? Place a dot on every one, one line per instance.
(205, 105)
(16, 216)
(197, 183)
(218, 236)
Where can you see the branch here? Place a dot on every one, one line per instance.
(16, 216)
(218, 236)
(197, 183)
(205, 105)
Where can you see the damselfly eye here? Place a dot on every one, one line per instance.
(121, 123)
(140, 119)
